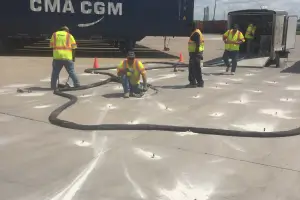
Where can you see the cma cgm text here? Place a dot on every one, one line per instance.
(66, 6)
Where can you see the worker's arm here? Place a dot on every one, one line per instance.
(73, 46)
(196, 39)
(143, 73)
(225, 36)
(52, 41)
(241, 38)
(120, 69)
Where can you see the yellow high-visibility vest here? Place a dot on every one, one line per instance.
(62, 43)
(192, 44)
(233, 38)
(250, 32)
(137, 67)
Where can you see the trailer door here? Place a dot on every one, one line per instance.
(290, 32)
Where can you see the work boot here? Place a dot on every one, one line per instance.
(138, 95)
(126, 95)
(200, 84)
(191, 85)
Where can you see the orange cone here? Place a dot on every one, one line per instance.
(96, 65)
(180, 58)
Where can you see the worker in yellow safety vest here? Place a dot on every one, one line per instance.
(195, 48)
(64, 45)
(249, 35)
(130, 71)
(232, 39)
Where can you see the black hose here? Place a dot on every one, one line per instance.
(53, 118)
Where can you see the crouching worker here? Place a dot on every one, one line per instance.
(129, 72)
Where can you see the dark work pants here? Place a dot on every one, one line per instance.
(234, 56)
(195, 73)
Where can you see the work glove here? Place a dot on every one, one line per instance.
(73, 59)
(145, 88)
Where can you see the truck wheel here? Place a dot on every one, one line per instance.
(278, 61)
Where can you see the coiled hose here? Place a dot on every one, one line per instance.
(53, 118)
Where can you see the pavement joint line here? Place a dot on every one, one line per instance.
(21, 117)
(237, 159)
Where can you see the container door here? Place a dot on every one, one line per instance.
(290, 32)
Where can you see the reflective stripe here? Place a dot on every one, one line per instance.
(233, 38)
(54, 39)
(192, 44)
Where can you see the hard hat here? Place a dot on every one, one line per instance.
(235, 26)
(130, 54)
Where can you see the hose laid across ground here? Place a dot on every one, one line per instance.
(53, 118)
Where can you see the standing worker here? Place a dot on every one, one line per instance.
(64, 45)
(249, 35)
(232, 39)
(195, 48)
(130, 71)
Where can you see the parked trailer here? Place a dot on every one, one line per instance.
(123, 22)
(274, 38)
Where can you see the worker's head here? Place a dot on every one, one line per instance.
(64, 28)
(235, 27)
(130, 57)
(194, 25)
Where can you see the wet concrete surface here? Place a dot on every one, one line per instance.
(42, 161)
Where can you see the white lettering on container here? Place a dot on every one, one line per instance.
(53, 7)
(36, 8)
(83, 7)
(68, 6)
(115, 9)
(99, 8)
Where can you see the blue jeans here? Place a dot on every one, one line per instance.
(234, 56)
(128, 87)
(57, 65)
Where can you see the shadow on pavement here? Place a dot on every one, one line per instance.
(172, 86)
(113, 95)
(89, 49)
(295, 68)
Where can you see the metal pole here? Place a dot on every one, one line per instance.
(214, 10)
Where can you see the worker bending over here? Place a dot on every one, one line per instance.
(130, 71)
(195, 48)
(249, 35)
(64, 45)
(232, 39)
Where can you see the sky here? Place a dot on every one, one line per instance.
(224, 6)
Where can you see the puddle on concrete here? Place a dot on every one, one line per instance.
(164, 107)
(216, 87)
(216, 114)
(17, 85)
(255, 91)
(288, 100)
(198, 96)
(271, 82)
(82, 143)
(276, 113)
(295, 87)
(222, 83)
(33, 94)
(186, 133)
(42, 106)
(146, 154)
(259, 127)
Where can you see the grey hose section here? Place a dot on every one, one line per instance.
(53, 118)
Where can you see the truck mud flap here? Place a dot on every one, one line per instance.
(254, 62)
(219, 61)
(259, 62)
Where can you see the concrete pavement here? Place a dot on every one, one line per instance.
(41, 161)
